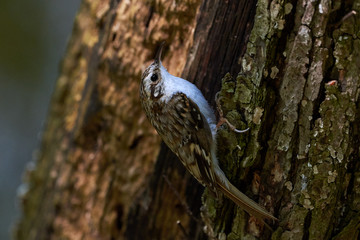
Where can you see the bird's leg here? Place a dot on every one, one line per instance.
(222, 119)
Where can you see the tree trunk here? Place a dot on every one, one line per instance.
(288, 70)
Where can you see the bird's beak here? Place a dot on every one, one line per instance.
(158, 53)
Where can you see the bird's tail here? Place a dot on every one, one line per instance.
(244, 202)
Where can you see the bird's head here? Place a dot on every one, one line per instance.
(152, 79)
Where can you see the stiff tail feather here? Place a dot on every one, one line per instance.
(245, 202)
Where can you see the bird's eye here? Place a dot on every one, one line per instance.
(154, 77)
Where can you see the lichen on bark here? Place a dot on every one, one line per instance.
(303, 124)
(296, 87)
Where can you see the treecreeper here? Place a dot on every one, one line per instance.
(187, 124)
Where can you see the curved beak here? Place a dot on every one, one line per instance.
(158, 53)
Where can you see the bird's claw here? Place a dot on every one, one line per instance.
(241, 131)
(222, 119)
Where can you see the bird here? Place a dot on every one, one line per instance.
(186, 123)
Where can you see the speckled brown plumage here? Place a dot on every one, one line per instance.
(185, 121)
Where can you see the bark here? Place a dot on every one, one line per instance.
(294, 80)
(299, 88)
(98, 149)
(171, 187)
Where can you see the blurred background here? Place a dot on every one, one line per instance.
(33, 39)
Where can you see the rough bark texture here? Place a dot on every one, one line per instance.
(303, 146)
(208, 61)
(98, 149)
(296, 85)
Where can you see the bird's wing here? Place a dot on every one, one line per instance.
(194, 151)
(196, 141)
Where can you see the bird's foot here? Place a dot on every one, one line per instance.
(222, 119)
